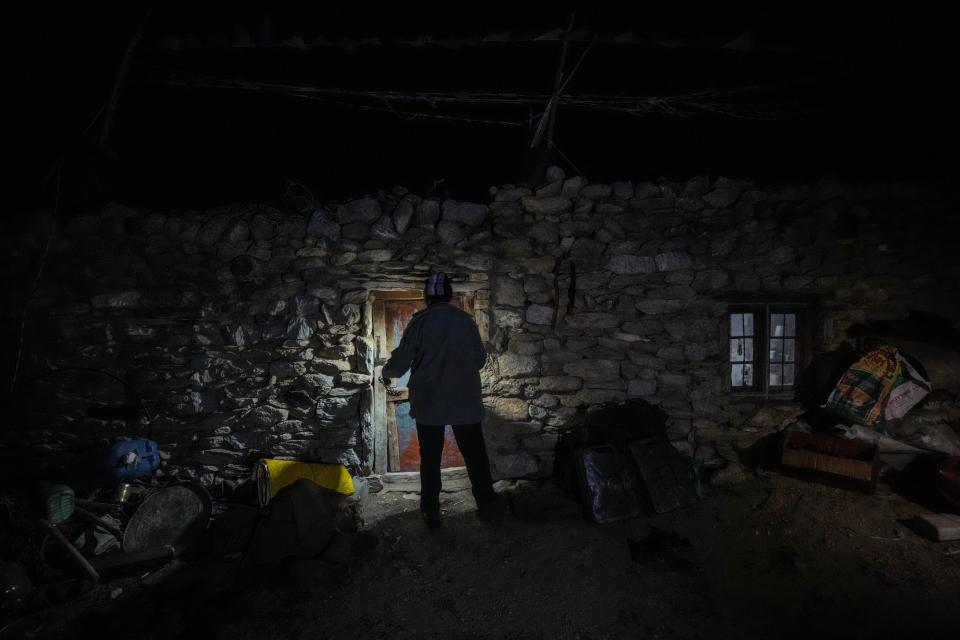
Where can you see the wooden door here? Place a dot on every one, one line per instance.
(393, 314)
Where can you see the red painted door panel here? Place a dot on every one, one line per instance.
(404, 429)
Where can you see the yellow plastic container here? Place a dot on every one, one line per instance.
(273, 475)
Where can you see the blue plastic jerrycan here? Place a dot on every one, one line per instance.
(133, 458)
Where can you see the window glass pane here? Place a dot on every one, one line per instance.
(748, 324)
(736, 324)
(748, 375)
(776, 325)
(776, 375)
(741, 349)
(776, 350)
(736, 350)
(789, 350)
(736, 375)
(788, 375)
(791, 322)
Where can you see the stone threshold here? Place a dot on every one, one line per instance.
(452, 479)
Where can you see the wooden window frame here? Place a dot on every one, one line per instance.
(763, 312)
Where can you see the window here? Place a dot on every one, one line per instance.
(765, 348)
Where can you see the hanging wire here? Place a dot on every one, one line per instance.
(563, 87)
(734, 102)
(568, 160)
(411, 115)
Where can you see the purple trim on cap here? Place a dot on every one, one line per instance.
(435, 284)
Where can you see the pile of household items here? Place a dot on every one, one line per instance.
(873, 411)
(620, 464)
(852, 399)
(102, 520)
(868, 411)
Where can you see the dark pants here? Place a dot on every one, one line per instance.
(470, 442)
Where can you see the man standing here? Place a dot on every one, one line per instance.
(442, 349)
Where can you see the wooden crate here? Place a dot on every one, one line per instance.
(852, 459)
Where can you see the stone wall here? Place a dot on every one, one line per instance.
(246, 331)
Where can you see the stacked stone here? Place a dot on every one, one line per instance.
(244, 328)
(654, 263)
(247, 331)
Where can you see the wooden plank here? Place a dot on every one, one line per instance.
(400, 294)
(467, 303)
(451, 479)
(367, 318)
(393, 440)
(846, 458)
(380, 445)
(367, 433)
(379, 332)
(450, 473)
(403, 446)
(381, 429)
(381, 449)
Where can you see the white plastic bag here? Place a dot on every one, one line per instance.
(908, 389)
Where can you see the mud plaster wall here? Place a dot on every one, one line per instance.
(245, 330)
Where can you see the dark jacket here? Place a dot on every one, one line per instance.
(442, 348)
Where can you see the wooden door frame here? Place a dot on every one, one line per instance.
(383, 457)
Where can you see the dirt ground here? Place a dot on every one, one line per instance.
(772, 557)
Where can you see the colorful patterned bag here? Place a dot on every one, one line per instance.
(862, 393)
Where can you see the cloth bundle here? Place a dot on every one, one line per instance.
(273, 475)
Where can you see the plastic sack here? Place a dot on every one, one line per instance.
(862, 393)
(608, 485)
(909, 388)
(892, 452)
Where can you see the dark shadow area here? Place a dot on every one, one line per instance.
(755, 97)
(918, 325)
(700, 570)
(920, 483)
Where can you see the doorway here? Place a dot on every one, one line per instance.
(395, 431)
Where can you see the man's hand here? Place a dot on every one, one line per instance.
(388, 385)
